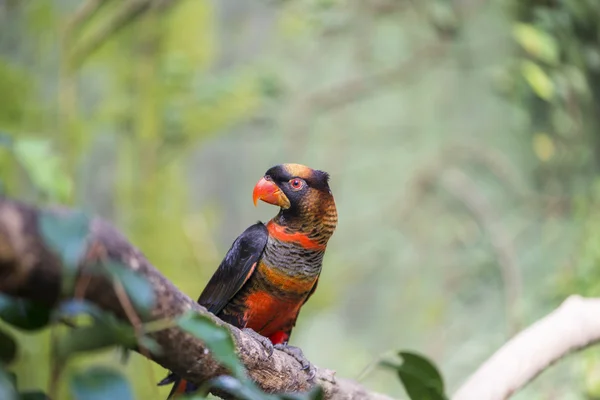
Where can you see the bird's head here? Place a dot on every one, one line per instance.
(296, 188)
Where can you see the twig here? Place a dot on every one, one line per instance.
(83, 14)
(463, 188)
(354, 89)
(571, 327)
(127, 12)
(135, 321)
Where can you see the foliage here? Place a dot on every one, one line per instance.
(100, 383)
(420, 377)
(48, 178)
(556, 78)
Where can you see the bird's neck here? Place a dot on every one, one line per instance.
(316, 223)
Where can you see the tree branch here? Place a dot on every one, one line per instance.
(29, 269)
(571, 327)
(127, 12)
(84, 12)
(461, 186)
(351, 90)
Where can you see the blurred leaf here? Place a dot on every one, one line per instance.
(34, 396)
(187, 34)
(538, 80)
(240, 390)
(421, 379)
(8, 347)
(543, 146)
(7, 389)
(67, 236)
(442, 15)
(592, 58)
(105, 332)
(75, 307)
(100, 384)
(216, 338)
(536, 42)
(48, 175)
(137, 287)
(15, 84)
(89, 338)
(150, 344)
(270, 86)
(23, 314)
(577, 80)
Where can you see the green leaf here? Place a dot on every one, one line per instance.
(24, 314)
(99, 384)
(138, 289)
(67, 236)
(442, 15)
(8, 347)
(216, 338)
(33, 396)
(105, 332)
(246, 390)
(150, 344)
(539, 81)
(7, 388)
(84, 339)
(74, 307)
(536, 42)
(48, 176)
(421, 379)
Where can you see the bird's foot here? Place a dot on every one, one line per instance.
(263, 340)
(298, 355)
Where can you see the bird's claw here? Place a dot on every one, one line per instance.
(298, 355)
(260, 338)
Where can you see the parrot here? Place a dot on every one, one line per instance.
(272, 269)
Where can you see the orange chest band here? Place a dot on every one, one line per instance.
(279, 233)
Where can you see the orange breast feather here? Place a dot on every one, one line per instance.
(267, 313)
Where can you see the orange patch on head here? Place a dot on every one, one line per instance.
(299, 170)
(279, 232)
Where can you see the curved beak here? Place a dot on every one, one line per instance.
(269, 192)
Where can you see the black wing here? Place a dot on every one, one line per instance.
(235, 269)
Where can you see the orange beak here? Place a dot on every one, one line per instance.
(269, 192)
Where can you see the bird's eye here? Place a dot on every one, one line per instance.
(268, 177)
(296, 183)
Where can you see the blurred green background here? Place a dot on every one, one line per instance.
(462, 138)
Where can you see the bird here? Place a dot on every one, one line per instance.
(272, 269)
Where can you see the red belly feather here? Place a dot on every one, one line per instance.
(270, 316)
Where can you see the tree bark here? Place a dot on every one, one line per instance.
(29, 269)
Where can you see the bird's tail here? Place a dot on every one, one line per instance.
(180, 386)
